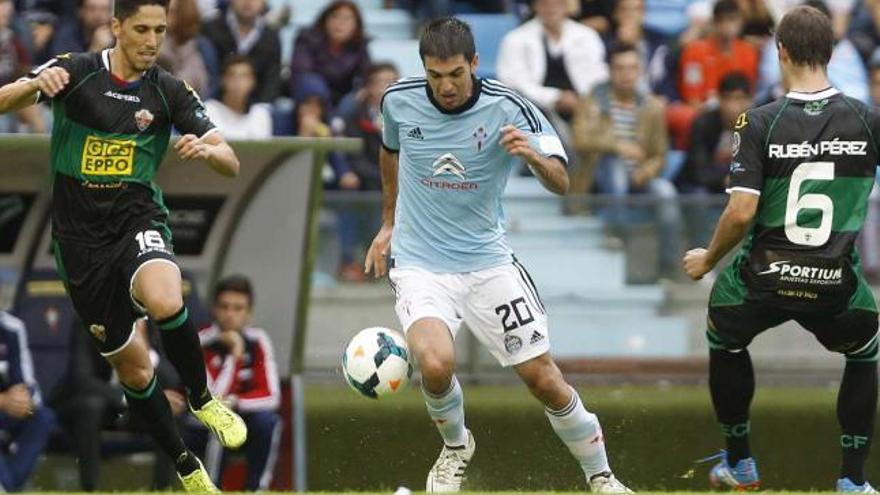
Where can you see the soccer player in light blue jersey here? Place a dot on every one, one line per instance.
(450, 141)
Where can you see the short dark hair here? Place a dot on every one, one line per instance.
(358, 37)
(236, 59)
(378, 67)
(235, 283)
(447, 37)
(819, 5)
(735, 81)
(123, 9)
(724, 8)
(619, 48)
(806, 34)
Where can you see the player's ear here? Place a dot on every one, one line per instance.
(783, 53)
(116, 27)
(475, 62)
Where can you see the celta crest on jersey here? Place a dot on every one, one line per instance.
(480, 135)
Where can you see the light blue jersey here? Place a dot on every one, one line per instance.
(452, 172)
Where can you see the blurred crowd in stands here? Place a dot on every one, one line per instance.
(84, 411)
(644, 92)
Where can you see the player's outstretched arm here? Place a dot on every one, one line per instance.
(378, 252)
(211, 148)
(550, 170)
(732, 228)
(24, 92)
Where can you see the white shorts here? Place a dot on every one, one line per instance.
(499, 305)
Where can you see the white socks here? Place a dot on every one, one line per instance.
(447, 411)
(580, 431)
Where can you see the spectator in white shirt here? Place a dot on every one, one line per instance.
(551, 59)
(233, 113)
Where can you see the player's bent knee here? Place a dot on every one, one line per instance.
(435, 368)
(164, 304)
(436, 373)
(135, 377)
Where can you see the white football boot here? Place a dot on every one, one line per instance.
(448, 472)
(607, 483)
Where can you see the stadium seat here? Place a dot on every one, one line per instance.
(282, 118)
(488, 30)
(393, 24)
(47, 312)
(403, 53)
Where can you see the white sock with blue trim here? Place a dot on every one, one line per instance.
(579, 429)
(447, 412)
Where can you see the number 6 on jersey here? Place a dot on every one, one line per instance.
(809, 236)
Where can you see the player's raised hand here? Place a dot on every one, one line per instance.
(516, 142)
(696, 264)
(378, 253)
(190, 147)
(51, 81)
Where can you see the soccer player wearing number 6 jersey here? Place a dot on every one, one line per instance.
(802, 170)
(113, 112)
(449, 143)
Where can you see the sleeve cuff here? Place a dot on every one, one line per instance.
(390, 150)
(743, 189)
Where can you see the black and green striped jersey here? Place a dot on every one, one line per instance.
(108, 139)
(811, 157)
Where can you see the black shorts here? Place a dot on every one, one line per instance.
(852, 331)
(99, 282)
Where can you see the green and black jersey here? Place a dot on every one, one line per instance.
(108, 140)
(812, 158)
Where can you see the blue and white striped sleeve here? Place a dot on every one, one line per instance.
(546, 141)
(527, 118)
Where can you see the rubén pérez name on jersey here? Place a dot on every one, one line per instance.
(804, 149)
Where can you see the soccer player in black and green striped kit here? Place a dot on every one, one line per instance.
(113, 115)
(802, 170)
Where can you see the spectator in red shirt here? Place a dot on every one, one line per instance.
(241, 368)
(704, 62)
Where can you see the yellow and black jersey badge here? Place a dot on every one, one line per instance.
(102, 156)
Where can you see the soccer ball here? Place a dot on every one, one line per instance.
(376, 362)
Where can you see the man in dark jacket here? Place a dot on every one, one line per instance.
(243, 30)
(710, 151)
